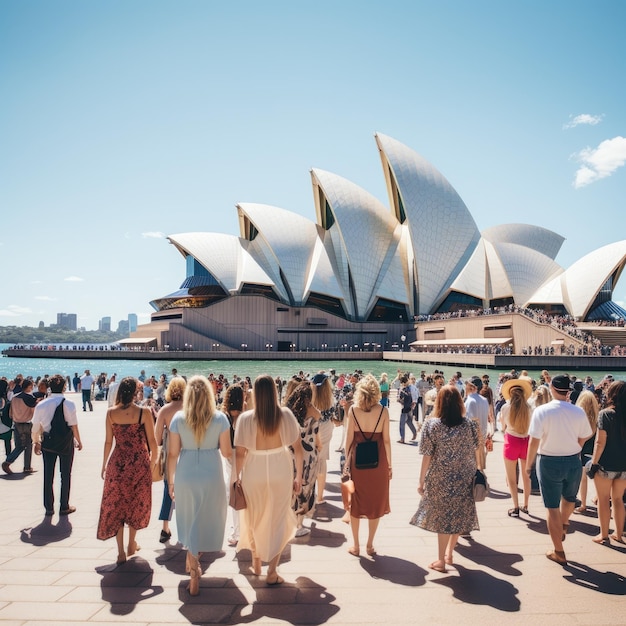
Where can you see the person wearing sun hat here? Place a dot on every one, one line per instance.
(515, 421)
(558, 431)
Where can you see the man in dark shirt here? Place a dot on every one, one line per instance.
(22, 409)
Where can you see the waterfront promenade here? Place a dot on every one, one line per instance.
(55, 571)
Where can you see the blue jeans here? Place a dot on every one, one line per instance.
(405, 420)
(23, 443)
(168, 504)
(559, 477)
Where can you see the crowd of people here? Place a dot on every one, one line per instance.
(270, 439)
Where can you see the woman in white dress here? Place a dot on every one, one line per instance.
(264, 467)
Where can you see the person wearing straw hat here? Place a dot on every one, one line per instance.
(558, 431)
(515, 422)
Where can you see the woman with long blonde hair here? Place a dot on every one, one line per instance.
(198, 434)
(515, 422)
(588, 403)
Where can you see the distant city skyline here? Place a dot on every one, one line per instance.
(125, 122)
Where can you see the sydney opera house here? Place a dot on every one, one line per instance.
(358, 275)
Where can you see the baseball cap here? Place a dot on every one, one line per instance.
(562, 382)
(476, 381)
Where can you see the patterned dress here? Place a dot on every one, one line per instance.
(305, 500)
(127, 494)
(448, 505)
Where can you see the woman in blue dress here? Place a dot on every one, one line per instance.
(198, 434)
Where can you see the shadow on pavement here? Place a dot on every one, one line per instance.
(124, 586)
(395, 570)
(603, 582)
(484, 555)
(173, 557)
(478, 587)
(46, 532)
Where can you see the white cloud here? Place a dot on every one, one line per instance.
(13, 310)
(600, 162)
(584, 118)
(46, 298)
(74, 279)
(153, 235)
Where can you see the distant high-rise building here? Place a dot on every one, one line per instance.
(66, 320)
(122, 327)
(132, 322)
(105, 324)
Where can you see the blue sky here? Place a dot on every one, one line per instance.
(124, 121)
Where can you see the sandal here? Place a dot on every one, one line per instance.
(438, 568)
(121, 558)
(275, 580)
(603, 541)
(558, 556)
(580, 510)
(371, 551)
(513, 512)
(354, 551)
(524, 509)
(617, 538)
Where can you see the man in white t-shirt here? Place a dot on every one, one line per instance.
(86, 386)
(558, 431)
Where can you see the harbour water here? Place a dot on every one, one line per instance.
(10, 366)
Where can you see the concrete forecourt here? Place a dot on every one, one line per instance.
(54, 570)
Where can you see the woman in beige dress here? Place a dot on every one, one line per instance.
(264, 468)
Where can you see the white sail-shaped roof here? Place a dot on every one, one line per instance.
(364, 230)
(589, 274)
(540, 239)
(283, 243)
(443, 232)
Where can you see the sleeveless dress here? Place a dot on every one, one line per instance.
(199, 486)
(127, 494)
(371, 486)
(268, 522)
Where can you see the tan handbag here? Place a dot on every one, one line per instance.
(237, 499)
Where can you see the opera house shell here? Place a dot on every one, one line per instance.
(360, 274)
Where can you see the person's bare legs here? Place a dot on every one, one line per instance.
(442, 544)
(119, 538)
(555, 528)
(194, 574)
(603, 490)
(272, 577)
(132, 544)
(619, 514)
(511, 479)
(372, 528)
(525, 483)
(449, 552)
(354, 524)
(583, 494)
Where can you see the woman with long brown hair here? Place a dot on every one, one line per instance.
(233, 406)
(324, 401)
(309, 419)
(198, 434)
(264, 466)
(515, 421)
(609, 463)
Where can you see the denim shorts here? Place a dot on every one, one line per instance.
(559, 477)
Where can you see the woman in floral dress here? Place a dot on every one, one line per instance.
(449, 445)
(127, 494)
(309, 419)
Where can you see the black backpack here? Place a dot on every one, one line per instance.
(5, 416)
(60, 439)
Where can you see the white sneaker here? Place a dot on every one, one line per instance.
(303, 531)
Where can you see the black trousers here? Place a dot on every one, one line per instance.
(65, 466)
